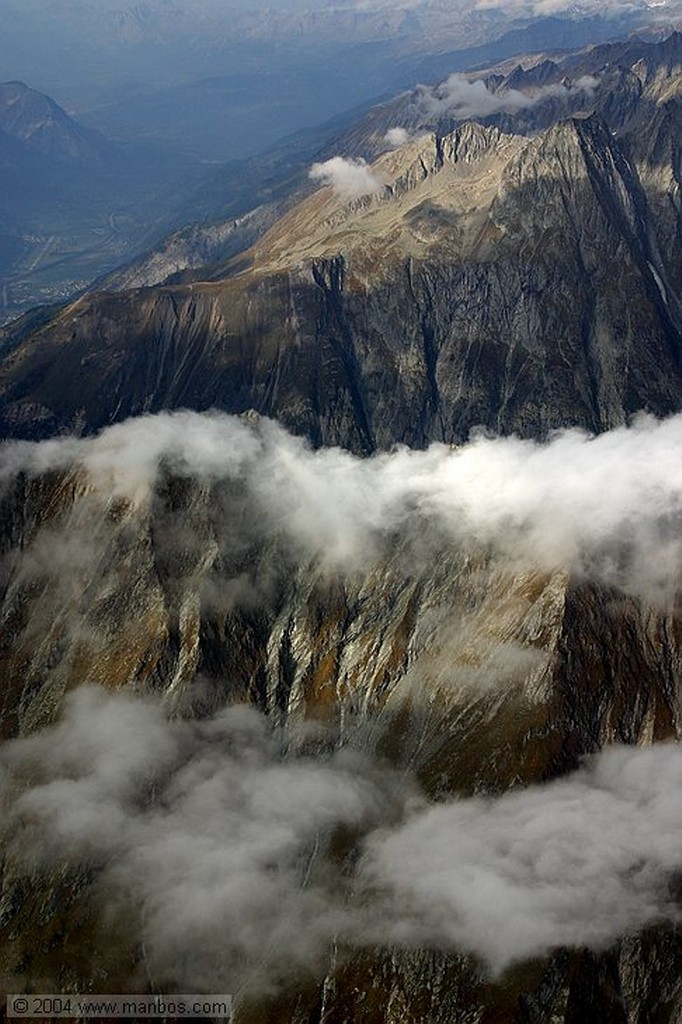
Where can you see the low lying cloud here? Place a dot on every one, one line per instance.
(606, 507)
(209, 841)
(397, 137)
(581, 861)
(350, 178)
(235, 860)
(462, 97)
(208, 844)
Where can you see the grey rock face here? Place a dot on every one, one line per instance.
(190, 248)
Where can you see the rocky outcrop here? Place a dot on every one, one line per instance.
(189, 248)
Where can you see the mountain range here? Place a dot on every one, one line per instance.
(73, 203)
(205, 110)
(447, 267)
(359, 512)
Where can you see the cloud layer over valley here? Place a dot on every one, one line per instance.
(235, 859)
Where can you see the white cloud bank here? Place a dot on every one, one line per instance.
(204, 839)
(608, 507)
(547, 8)
(349, 178)
(214, 848)
(577, 862)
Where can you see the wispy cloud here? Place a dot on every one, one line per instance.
(544, 8)
(350, 178)
(464, 97)
(397, 137)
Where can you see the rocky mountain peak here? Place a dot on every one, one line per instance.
(560, 153)
(471, 283)
(37, 122)
(477, 618)
(577, 166)
(657, 66)
(23, 111)
(470, 142)
(441, 193)
(669, 51)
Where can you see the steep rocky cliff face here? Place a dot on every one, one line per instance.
(189, 580)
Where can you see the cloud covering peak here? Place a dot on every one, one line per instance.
(463, 97)
(607, 507)
(237, 856)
